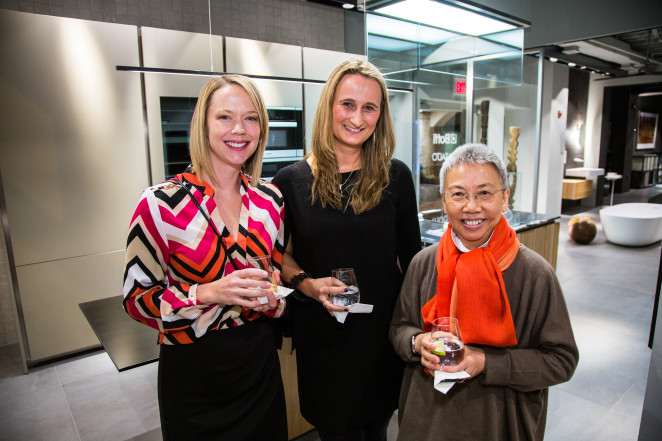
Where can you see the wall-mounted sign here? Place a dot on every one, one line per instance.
(446, 138)
(439, 156)
(460, 87)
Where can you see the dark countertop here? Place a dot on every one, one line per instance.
(432, 230)
(128, 343)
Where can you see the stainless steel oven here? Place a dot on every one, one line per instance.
(285, 141)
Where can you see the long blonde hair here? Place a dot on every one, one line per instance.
(199, 146)
(376, 153)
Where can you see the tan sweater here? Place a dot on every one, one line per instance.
(508, 401)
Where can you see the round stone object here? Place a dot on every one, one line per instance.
(582, 229)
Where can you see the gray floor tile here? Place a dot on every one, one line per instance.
(571, 417)
(37, 415)
(84, 367)
(111, 406)
(18, 384)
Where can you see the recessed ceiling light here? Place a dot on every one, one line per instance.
(348, 6)
(571, 64)
(553, 59)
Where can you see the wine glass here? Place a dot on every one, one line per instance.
(264, 263)
(446, 335)
(344, 277)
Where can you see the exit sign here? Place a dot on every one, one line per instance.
(460, 86)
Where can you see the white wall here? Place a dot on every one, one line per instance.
(552, 142)
(515, 106)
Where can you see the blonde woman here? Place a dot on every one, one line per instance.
(187, 276)
(348, 204)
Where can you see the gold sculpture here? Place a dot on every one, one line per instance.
(512, 166)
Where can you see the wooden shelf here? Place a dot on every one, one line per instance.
(577, 188)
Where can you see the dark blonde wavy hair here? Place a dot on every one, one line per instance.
(376, 153)
(199, 147)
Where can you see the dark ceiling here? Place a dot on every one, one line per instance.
(632, 53)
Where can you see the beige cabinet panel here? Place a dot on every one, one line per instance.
(319, 63)
(261, 58)
(73, 151)
(50, 293)
(169, 49)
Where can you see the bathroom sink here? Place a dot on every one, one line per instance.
(585, 172)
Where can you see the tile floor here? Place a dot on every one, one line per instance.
(609, 290)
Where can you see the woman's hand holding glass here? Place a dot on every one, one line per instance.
(320, 290)
(473, 362)
(242, 287)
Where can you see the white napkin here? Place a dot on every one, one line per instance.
(443, 381)
(280, 293)
(356, 308)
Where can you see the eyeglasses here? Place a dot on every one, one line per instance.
(461, 197)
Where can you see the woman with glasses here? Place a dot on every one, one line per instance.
(511, 312)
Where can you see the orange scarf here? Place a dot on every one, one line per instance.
(470, 287)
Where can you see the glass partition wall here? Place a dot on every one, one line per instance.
(470, 84)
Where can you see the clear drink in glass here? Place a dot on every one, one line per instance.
(448, 338)
(345, 277)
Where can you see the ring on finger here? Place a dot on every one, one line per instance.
(324, 301)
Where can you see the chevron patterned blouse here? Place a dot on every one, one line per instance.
(171, 248)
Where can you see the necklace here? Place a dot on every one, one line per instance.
(346, 180)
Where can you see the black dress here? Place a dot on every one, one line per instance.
(348, 374)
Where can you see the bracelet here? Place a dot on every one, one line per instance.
(413, 345)
(295, 280)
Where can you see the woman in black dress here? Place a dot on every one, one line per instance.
(348, 204)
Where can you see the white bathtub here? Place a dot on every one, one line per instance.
(634, 224)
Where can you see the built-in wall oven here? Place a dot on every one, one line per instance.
(284, 144)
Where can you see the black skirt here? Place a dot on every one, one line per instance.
(225, 386)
